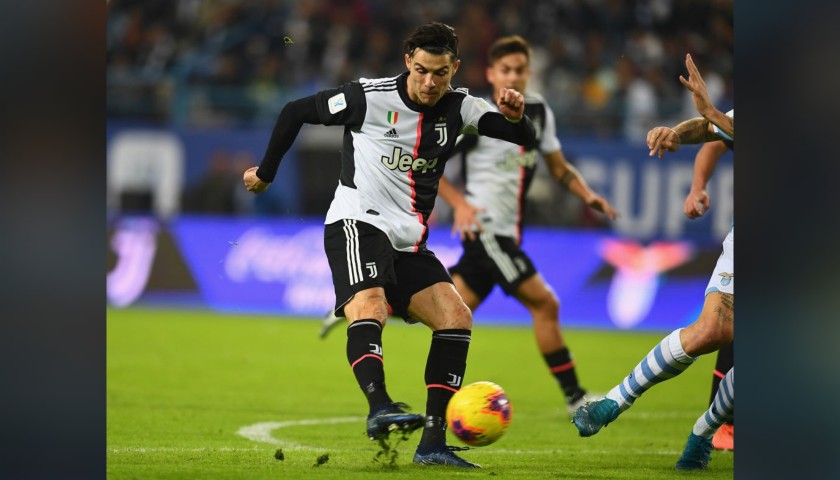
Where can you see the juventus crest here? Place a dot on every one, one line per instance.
(440, 128)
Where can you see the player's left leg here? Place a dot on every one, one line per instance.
(441, 309)
(539, 298)
(424, 293)
(698, 448)
(724, 438)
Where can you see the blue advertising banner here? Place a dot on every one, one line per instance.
(278, 266)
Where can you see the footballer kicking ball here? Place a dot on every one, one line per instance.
(479, 413)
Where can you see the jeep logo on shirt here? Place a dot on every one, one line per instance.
(405, 162)
(513, 161)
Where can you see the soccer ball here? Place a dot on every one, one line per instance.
(479, 413)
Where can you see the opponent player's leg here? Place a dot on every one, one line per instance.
(539, 298)
(724, 438)
(673, 355)
(713, 329)
(360, 296)
(441, 309)
(698, 448)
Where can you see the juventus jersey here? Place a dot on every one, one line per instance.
(499, 173)
(393, 153)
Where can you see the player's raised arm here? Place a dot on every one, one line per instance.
(292, 117)
(511, 124)
(338, 106)
(697, 86)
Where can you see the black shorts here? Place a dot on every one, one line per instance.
(361, 257)
(493, 260)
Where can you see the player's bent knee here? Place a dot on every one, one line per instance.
(550, 306)
(462, 317)
(706, 336)
(367, 304)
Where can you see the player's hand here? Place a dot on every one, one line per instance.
(697, 86)
(511, 103)
(253, 182)
(662, 139)
(602, 205)
(696, 204)
(466, 222)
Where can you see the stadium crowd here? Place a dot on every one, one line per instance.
(607, 67)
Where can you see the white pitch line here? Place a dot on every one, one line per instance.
(261, 432)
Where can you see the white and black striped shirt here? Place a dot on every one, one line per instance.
(393, 150)
(498, 174)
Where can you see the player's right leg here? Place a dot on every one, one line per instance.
(361, 262)
(669, 358)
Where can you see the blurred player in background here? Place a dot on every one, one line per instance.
(398, 133)
(488, 216)
(713, 329)
(697, 204)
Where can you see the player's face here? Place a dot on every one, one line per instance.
(429, 76)
(509, 71)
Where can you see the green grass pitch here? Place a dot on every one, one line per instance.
(197, 394)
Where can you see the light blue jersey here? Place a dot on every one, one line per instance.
(723, 278)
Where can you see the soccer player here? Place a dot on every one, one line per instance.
(697, 204)
(397, 133)
(489, 217)
(714, 327)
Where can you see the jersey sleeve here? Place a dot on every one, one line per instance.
(472, 109)
(344, 105)
(549, 141)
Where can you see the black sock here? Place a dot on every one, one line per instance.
(725, 361)
(364, 352)
(445, 368)
(563, 368)
(434, 431)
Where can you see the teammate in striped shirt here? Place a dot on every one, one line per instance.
(713, 329)
(488, 215)
(398, 131)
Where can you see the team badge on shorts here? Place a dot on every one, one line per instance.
(726, 278)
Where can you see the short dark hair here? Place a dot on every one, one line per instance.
(506, 46)
(435, 37)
